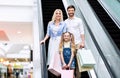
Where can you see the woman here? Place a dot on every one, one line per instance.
(54, 30)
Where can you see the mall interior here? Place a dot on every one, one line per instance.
(23, 23)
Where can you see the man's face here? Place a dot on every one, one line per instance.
(71, 12)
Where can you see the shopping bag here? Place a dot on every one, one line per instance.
(85, 60)
(53, 73)
(67, 73)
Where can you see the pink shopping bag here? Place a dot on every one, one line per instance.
(67, 74)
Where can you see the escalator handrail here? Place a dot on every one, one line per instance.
(42, 47)
(44, 65)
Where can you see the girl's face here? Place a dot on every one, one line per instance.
(66, 37)
(58, 15)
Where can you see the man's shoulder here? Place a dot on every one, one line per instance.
(77, 18)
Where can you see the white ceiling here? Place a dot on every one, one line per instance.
(18, 32)
(19, 35)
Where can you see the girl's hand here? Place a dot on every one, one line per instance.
(64, 66)
(68, 66)
(43, 41)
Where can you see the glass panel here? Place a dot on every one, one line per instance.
(113, 6)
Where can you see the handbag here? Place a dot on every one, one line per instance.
(53, 73)
(67, 73)
(85, 60)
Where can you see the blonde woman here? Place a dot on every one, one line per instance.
(67, 51)
(54, 30)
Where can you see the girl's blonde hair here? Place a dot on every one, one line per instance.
(62, 43)
(54, 15)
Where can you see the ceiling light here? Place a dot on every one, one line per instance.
(26, 47)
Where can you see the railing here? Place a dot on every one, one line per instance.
(44, 65)
(43, 51)
(39, 56)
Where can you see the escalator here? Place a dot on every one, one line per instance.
(48, 7)
(106, 20)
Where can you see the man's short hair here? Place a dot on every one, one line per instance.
(71, 6)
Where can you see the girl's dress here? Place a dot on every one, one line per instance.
(55, 33)
(67, 55)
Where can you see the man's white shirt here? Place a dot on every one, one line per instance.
(75, 26)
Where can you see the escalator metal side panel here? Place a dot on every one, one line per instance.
(39, 66)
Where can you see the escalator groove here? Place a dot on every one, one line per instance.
(109, 24)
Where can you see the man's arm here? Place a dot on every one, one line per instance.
(82, 44)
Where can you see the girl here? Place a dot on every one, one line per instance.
(67, 51)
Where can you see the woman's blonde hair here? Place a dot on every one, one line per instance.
(62, 43)
(54, 14)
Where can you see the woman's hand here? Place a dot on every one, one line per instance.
(42, 42)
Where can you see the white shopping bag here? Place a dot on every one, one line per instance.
(85, 60)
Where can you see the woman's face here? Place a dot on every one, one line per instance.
(58, 15)
(66, 37)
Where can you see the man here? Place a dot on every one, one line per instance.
(75, 26)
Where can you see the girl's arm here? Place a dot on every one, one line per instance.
(62, 59)
(71, 58)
